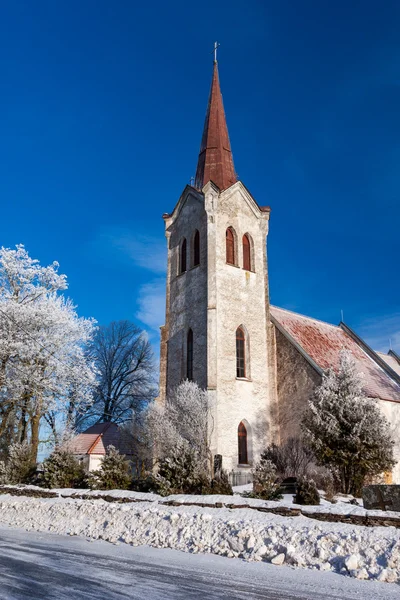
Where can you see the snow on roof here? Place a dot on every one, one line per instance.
(97, 438)
(391, 361)
(322, 343)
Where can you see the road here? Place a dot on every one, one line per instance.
(46, 566)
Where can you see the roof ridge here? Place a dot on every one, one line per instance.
(304, 316)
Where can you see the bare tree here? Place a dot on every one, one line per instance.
(126, 375)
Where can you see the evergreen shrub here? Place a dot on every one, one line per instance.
(62, 470)
(307, 492)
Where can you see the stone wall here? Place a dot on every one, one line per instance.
(186, 294)
(238, 297)
(296, 380)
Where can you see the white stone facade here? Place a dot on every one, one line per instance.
(214, 299)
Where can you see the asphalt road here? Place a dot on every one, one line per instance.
(44, 566)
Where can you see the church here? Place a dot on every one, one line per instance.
(259, 363)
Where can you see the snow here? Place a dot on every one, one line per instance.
(342, 506)
(65, 567)
(360, 552)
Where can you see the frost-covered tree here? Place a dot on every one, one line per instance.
(114, 472)
(186, 417)
(19, 466)
(125, 382)
(43, 364)
(346, 430)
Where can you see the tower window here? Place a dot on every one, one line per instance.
(242, 444)
(196, 249)
(240, 353)
(246, 252)
(189, 355)
(182, 258)
(230, 246)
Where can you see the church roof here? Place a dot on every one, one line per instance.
(320, 343)
(215, 161)
(97, 438)
(391, 359)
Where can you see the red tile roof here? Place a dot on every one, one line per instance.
(391, 361)
(97, 438)
(322, 342)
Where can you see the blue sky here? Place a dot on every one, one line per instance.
(102, 107)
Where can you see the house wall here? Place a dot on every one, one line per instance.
(391, 410)
(296, 380)
(95, 461)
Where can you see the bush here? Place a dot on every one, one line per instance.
(19, 467)
(291, 459)
(62, 470)
(114, 473)
(327, 481)
(179, 473)
(220, 484)
(307, 492)
(182, 472)
(147, 483)
(265, 484)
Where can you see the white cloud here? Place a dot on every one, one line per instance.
(381, 332)
(141, 250)
(151, 303)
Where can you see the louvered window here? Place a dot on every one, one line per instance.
(230, 247)
(246, 253)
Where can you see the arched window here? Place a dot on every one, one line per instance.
(242, 444)
(189, 355)
(240, 353)
(196, 249)
(230, 246)
(246, 253)
(182, 258)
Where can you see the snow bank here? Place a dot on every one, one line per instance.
(340, 512)
(361, 552)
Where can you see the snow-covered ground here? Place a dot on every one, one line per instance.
(361, 552)
(37, 566)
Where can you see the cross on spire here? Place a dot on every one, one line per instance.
(216, 46)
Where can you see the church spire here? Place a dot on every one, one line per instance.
(215, 159)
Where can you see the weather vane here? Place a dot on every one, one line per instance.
(216, 46)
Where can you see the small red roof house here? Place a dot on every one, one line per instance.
(91, 445)
(306, 347)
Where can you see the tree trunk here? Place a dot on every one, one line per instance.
(35, 424)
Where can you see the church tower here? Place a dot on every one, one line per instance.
(217, 330)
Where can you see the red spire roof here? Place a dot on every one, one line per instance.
(215, 159)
